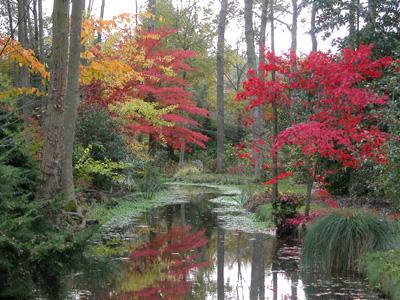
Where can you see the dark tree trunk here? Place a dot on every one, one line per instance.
(71, 100)
(35, 28)
(220, 85)
(275, 190)
(313, 31)
(103, 4)
(10, 19)
(23, 73)
(257, 127)
(372, 13)
(352, 22)
(54, 117)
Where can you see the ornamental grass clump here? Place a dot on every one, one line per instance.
(335, 243)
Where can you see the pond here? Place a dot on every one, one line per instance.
(184, 251)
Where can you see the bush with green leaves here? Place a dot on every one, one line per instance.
(334, 243)
(102, 173)
(32, 249)
(383, 271)
(95, 128)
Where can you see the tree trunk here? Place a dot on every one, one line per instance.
(103, 4)
(263, 29)
(23, 71)
(72, 99)
(313, 31)
(352, 22)
(152, 19)
(372, 13)
(35, 27)
(310, 183)
(220, 85)
(90, 7)
(252, 64)
(10, 19)
(43, 98)
(54, 118)
(182, 151)
(293, 32)
(275, 191)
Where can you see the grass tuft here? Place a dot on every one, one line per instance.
(335, 243)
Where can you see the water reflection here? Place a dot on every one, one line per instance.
(184, 253)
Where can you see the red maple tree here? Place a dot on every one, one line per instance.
(161, 82)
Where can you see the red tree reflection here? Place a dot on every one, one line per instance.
(174, 253)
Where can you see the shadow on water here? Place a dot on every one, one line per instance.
(182, 251)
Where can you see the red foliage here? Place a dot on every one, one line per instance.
(175, 251)
(339, 123)
(340, 126)
(164, 88)
(279, 177)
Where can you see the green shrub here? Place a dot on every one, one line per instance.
(99, 173)
(335, 242)
(383, 271)
(96, 128)
(186, 170)
(33, 251)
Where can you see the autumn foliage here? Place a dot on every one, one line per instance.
(142, 81)
(175, 253)
(340, 116)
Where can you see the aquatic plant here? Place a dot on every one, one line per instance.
(336, 242)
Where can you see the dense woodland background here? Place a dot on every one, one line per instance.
(93, 109)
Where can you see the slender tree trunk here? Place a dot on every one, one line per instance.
(30, 33)
(220, 85)
(182, 153)
(136, 13)
(10, 19)
(72, 99)
(310, 183)
(293, 32)
(23, 71)
(311, 171)
(352, 22)
(90, 7)
(41, 31)
(372, 13)
(263, 29)
(103, 4)
(43, 98)
(275, 191)
(12, 35)
(35, 27)
(54, 118)
(313, 31)
(153, 11)
(252, 64)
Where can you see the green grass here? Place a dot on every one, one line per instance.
(289, 186)
(383, 271)
(126, 206)
(337, 241)
(215, 178)
(285, 186)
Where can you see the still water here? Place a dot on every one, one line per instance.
(183, 251)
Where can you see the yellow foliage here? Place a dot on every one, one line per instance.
(15, 92)
(134, 108)
(13, 51)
